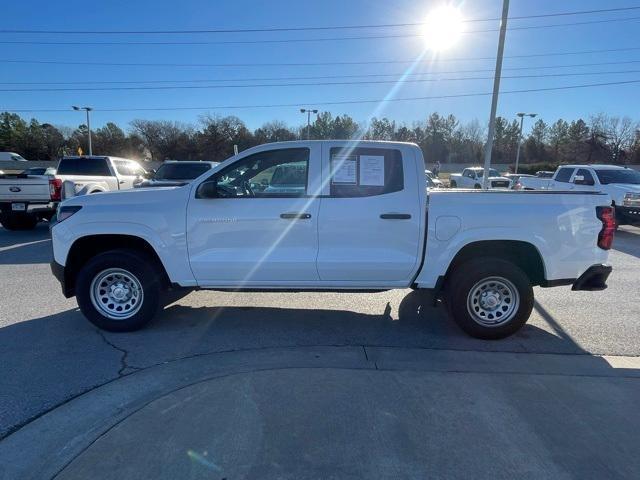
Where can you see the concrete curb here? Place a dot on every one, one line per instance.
(44, 447)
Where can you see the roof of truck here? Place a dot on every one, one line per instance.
(599, 166)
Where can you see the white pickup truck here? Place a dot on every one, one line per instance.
(622, 184)
(361, 221)
(25, 199)
(472, 178)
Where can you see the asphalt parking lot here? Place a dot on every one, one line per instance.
(559, 399)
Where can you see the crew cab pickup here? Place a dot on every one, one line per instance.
(26, 199)
(472, 178)
(361, 221)
(622, 184)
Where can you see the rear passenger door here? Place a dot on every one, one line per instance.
(369, 221)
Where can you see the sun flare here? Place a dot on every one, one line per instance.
(442, 28)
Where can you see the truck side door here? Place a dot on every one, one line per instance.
(370, 215)
(260, 226)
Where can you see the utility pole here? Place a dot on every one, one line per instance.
(86, 109)
(494, 98)
(521, 115)
(308, 112)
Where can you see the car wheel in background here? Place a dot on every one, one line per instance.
(453, 184)
(489, 298)
(119, 290)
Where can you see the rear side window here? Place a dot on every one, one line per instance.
(95, 167)
(564, 175)
(364, 172)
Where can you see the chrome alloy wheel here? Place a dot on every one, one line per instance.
(116, 293)
(493, 301)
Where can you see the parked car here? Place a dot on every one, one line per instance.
(433, 181)
(173, 173)
(472, 178)
(26, 199)
(622, 184)
(514, 177)
(533, 182)
(11, 156)
(359, 223)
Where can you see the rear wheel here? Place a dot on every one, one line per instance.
(119, 290)
(18, 221)
(453, 184)
(489, 298)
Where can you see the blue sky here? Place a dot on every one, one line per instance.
(207, 14)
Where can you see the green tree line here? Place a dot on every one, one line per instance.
(601, 138)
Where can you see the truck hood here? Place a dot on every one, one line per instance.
(135, 196)
(618, 190)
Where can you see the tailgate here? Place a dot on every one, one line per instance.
(33, 189)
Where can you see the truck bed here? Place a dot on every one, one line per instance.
(21, 188)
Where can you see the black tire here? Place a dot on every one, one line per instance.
(477, 186)
(18, 221)
(464, 281)
(453, 184)
(137, 264)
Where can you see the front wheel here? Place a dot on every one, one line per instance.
(453, 184)
(119, 290)
(489, 298)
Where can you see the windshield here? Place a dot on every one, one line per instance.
(607, 176)
(181, 171)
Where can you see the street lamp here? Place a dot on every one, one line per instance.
(86, 109)
(521, 115)
(308, 112)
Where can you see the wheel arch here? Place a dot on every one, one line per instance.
(89, 246)
(523, 254)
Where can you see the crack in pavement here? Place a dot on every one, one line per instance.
(123, 359)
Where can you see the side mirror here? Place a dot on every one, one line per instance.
(208, 189)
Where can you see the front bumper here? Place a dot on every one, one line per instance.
(59, 272)
(628, 215)
(595, 278)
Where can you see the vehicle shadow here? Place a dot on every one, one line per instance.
(25, 247)
(627, 241)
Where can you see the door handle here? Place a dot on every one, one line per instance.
(298, 216)
(121, 182)
(395, 216)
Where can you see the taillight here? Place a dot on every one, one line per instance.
(607, 216)
(55, 189)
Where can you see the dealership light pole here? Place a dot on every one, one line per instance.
(308, 112)
(496, 90)
(521, 115)
(86, 109)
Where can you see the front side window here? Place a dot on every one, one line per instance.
(122, 167)
(564, 175)
(364, 172)
(273, 173)
(588, 178)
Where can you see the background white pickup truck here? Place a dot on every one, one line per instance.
(622, 184)
(472, 178)
(26, 199)
(357, 219)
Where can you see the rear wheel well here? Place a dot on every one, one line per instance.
(88, 247)
(522, 254)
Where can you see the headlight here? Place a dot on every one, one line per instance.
(66, 211)
(631, 200)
